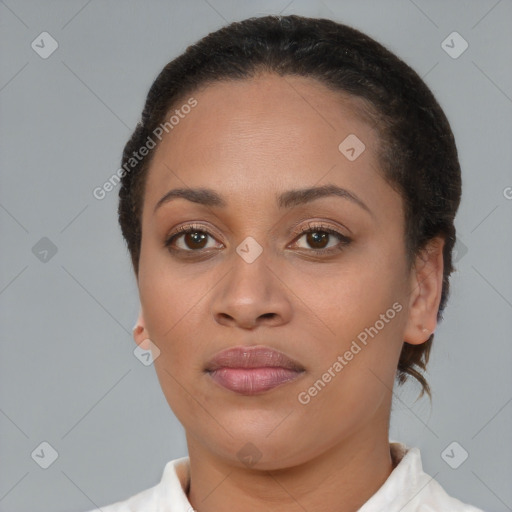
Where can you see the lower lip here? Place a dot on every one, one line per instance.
(251, 381)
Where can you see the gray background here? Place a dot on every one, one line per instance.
(68, 375)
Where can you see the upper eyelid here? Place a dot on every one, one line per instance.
(318, 225)
(193, 226)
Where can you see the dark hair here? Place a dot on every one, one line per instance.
(417, 153)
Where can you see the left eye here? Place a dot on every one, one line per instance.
(323, 239)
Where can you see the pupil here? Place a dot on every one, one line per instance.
(197, 239)
(318, 239)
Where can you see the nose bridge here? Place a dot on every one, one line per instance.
(250, 279)
(251, 292)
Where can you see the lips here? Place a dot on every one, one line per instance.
(252, 357)
(252, 370)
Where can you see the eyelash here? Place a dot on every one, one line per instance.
(312, 228)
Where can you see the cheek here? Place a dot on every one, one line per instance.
(362, 303)
(352, 295)
(171, 302)
(352, 372)
(166, 290)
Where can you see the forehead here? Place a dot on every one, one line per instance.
(266, 132)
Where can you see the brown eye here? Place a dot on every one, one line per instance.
(322, 240)
(317, 239)
(195, 239)
(189, 239)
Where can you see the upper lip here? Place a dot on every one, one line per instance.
(252, 357)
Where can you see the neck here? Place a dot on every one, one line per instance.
(341, 479)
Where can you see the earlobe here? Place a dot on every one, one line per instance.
(140, 334)
(425, 293)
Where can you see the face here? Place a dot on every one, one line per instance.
(298, 247)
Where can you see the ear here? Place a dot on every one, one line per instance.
(140, 334)
(426, 285)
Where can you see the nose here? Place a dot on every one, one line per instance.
(251, 294)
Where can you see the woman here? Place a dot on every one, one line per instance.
(288, 201)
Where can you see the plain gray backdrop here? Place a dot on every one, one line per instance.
(68, 299)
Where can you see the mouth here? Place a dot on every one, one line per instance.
(252, 370)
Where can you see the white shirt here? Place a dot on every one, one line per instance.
(407, 489)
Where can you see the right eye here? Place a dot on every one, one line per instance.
(188, 238)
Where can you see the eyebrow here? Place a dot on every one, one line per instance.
(288, 199)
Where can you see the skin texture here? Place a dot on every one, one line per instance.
(250, 141)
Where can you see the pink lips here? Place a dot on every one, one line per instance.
(252, 370)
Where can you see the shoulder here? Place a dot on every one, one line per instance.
(138, 502)
(436, 499)
(170, 490)
(409, 489)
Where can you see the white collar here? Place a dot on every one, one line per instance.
(407, 489)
